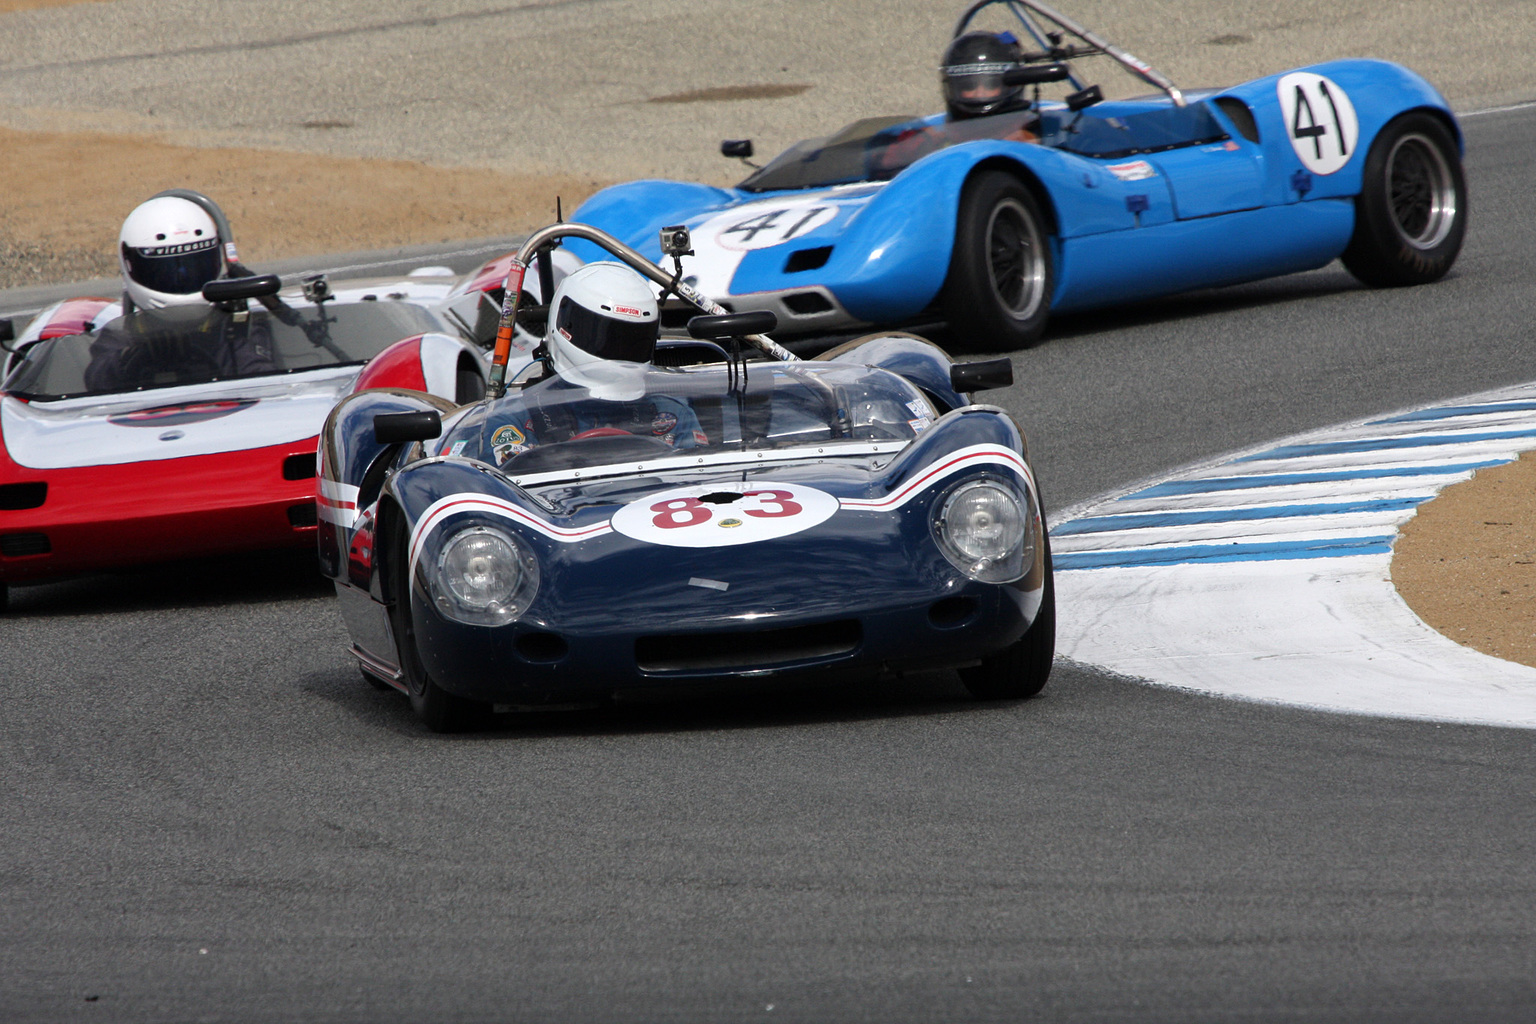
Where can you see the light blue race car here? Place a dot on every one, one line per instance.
(990, 223)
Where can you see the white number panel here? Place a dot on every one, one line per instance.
(1319, 120)
(754, 227)
(713, 515)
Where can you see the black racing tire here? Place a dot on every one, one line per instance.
(1411, 213)
(438, 709)
(5, 597)
(997, 297)
(1021, 669)
(468, 385)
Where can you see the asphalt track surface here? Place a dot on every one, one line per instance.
(208, 815)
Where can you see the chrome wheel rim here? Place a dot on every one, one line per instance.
(1421, 191)
(1014, 260)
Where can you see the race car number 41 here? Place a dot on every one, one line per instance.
(1319, 119)
(712, 516)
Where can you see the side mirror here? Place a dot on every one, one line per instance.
(398, 427)
(233, 289)
(1085, 98)
(732, 325)
(983, 375)
(741, 149)
(1036, 74)
(7, 332)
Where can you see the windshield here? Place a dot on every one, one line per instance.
(555, 425)
(878, 148)
(161, 348)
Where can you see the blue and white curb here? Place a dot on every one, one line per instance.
(1266, 575)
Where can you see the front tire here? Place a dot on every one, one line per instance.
(997, 297)
(1021, 669)
(1411, 213)
(438, 709)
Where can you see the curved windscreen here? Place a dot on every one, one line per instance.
(555, 425)
(878, 148)
(161, 348)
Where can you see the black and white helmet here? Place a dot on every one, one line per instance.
(168, 249)
(603, 326)
(973, 68)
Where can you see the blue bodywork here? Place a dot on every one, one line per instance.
(866, 590)
(1217, 207)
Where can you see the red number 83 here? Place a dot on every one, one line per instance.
(675, 513)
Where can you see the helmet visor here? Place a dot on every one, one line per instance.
(607, 337)
(174, 269)
(978, 87)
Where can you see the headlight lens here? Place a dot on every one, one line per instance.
(986, 531)
(484, 577)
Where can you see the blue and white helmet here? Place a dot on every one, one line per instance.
(168, 249)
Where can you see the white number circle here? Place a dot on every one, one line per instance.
(720, 515)
(1319, 120)
(758, 228)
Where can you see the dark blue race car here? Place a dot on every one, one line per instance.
(852, 514)
(992, 223)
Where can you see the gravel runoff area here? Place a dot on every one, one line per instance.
(360, 126)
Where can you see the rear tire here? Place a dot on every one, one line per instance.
(1022, 668)
(997, 296)
(1411, 213)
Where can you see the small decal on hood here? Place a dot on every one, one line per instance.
(1136, 170)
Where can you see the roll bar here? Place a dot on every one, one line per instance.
(1135, 65)
(545, 238)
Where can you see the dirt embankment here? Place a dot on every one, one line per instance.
(67, 195)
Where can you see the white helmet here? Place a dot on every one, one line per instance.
(603, 325)
(168, 249)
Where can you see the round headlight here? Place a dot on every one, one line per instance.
(984, 531)
(484, 577)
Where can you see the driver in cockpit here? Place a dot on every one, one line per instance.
(168, 249)
(971, 71)
(603, 327)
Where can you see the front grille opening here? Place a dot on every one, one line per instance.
(728, 652)
(542, 647)
(20, 545)
(951, 612)
(14, 497)
(807, 259)
(302, 515)
(807, 303)
(299, 467)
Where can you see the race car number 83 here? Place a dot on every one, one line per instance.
(718, 516)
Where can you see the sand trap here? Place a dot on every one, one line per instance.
(1466, 564)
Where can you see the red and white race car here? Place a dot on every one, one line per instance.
(191, 430)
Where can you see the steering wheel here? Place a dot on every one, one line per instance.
(600, 432)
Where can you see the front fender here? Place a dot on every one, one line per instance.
(425, 362)
(351, 473)
(636, 211)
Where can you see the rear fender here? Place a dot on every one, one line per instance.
(907, 355)
(70, 316)
(1378, 91)
(424, 362)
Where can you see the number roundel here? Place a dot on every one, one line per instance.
(1319, 120)
(757, 227)
(714, 515)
